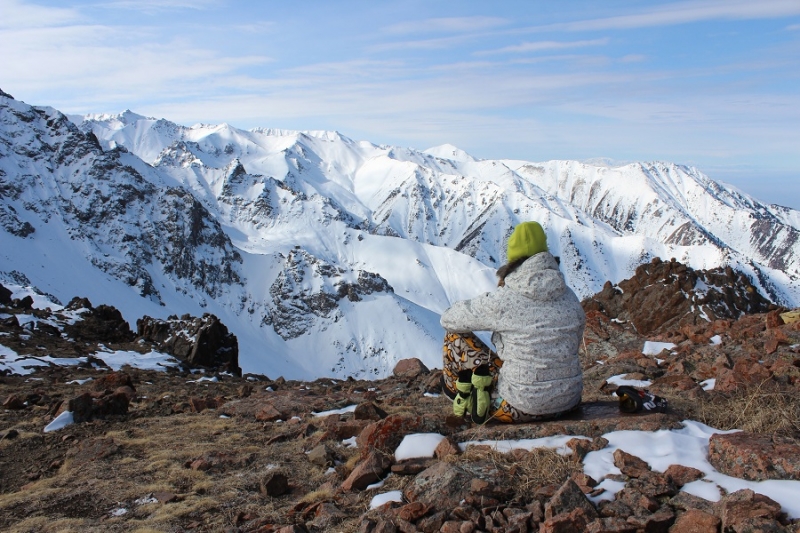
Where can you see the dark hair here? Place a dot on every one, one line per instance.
(508, 268)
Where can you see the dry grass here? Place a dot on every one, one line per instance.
(529, 470)
(758, 409)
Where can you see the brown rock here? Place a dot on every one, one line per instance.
(432, 523)
(630, 465)
(14, 402)
(81, 407)
(321, 455)
(637, 501)
(411, 467)
(274, 484)
(443, 486)
(410, 368)
(658, 522)
(686, 502)
(574, 521)
(696, 521)
(746, 510)
(112, 381)
(446, 447)
(754, 457)
(165, 497)
(749, 371)
(653, 485)
(268, 413)
(674, 382)
(681, 475)
(411, 512)
(385, 435)
(610, 525)
(368, 411)
(366, 472)
(568, 497)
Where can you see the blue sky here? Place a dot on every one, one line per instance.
(714, 84)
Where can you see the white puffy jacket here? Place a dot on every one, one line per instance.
(537, 324)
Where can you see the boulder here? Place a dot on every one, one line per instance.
(101, 324)
(198, 342)
(754, 457)
(410, 368)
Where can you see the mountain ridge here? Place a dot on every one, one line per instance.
(173, 219)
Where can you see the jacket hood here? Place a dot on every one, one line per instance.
(538, 278)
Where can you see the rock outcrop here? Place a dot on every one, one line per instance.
(197, 341)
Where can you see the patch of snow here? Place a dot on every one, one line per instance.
(619, 380)
(417, 445)
(60, 422)
(348, 409)
(386, 497)
(708, 384)
(655, 348)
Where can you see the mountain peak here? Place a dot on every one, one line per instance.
(448, 151)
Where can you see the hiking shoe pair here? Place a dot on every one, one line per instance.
(632, 400)
(473, 394)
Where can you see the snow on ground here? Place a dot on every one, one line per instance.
(619, 380)
(655, 348)
(687, 446)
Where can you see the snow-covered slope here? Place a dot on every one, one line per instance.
(328, 256)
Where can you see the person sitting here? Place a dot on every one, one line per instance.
(537, 325)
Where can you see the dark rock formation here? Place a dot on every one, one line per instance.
(198, 342)
(667, 294)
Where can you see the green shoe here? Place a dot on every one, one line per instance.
(461, 401)
(481, 397)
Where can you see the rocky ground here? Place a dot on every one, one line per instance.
(167, 451)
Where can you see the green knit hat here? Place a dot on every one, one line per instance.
(527, 239)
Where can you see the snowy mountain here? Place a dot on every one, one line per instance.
(328, 256)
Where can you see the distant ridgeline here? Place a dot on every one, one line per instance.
(324, 255)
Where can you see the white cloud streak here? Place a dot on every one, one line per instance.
(446, 25)
(540, 46)
(685, 13)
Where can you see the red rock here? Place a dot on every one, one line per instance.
(568, 497)
(696, 521)
(568, 522)
(385, 435)
(754, 457)
(411, 512)
(637, 501)
(773, 319)
(268, 413)
(681, 475)
(610, 525)
(674, 382)
(744, 508)
(658, 522)
(630, 465)
(446, 447)
(409, 368)
(653, 485)
(366, 472)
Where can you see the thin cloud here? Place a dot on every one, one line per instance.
(153, 6)
(18, 15)
(685, 13)
(446, 25)
(539, 46)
